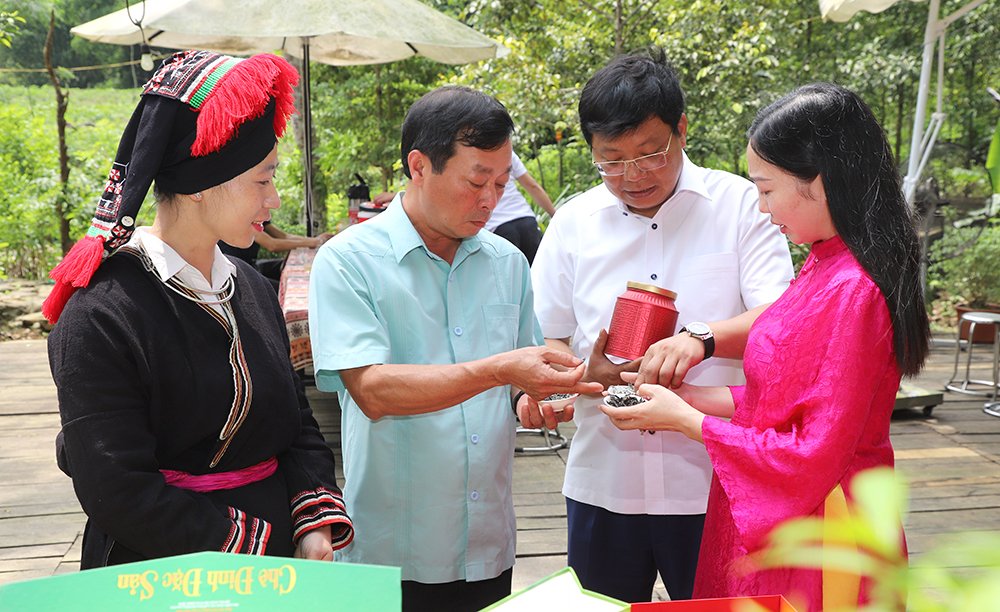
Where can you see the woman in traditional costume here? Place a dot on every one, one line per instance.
(184, 426)
(823, 362)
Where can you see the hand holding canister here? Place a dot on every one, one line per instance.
(643, 315)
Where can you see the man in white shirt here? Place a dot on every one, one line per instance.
(513, 218)
(636, 502)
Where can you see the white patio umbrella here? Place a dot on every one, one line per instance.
(337, 32)
(923, 139)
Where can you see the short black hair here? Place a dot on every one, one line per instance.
(453, 114)
(628, 91)
(826, 130)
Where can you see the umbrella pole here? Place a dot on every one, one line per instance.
(922, 139)
(916, 138)
(307, 141)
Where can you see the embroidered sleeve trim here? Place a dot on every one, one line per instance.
(248, 535)
(318, 508)
(321, 496)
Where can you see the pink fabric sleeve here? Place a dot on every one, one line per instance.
(813, 412)
(737, 391)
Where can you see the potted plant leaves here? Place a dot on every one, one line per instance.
(965, 274)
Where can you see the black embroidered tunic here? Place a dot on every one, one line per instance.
(145, 384)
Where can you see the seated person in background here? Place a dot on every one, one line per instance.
(384, 199)
(275, 240)
(512, 219)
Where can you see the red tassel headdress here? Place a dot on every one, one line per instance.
(235, 109)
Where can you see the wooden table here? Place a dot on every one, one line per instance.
(293, 294)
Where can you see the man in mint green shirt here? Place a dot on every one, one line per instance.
(424, 324)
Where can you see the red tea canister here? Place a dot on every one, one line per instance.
(643, 315)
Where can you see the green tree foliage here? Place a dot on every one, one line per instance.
(358, 113)
(734, 57)
(967, 265)
(729, 67)
(68, 51)
(10, 26)
(29, 169)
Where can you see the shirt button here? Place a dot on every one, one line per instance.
(474, 495)
(652, 276)
(654, 226)
(458, 331)
(475, 438)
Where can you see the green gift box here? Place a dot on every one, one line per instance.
(212, 582)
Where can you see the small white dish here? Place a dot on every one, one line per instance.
(623, 392)
(558, 405)
(622, 395)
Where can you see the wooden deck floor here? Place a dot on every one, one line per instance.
(951, 458)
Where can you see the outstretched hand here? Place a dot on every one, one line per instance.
(318, 241)
(383, 198)
(668, 361)
(541, 371)
(601, 369)
(664, 411)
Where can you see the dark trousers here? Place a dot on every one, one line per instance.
(619, 555)
(458, 596)
(522, 233)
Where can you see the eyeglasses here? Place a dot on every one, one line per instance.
(645, 163)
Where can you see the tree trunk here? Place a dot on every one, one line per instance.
(379, 118)
(386, 177)
(900, 108)
(882, 104)
(62, 102)
(619, 30)
(538, 162)
(809, 37)
(319, 186)
(970, 124)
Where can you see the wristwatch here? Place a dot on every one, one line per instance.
(701, 331)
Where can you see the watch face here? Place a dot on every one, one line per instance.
(698, 329)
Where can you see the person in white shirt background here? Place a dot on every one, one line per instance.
(636, 503)
(513, 217)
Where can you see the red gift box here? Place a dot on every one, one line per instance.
(770, 603)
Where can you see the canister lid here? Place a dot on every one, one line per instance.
(652, 289)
